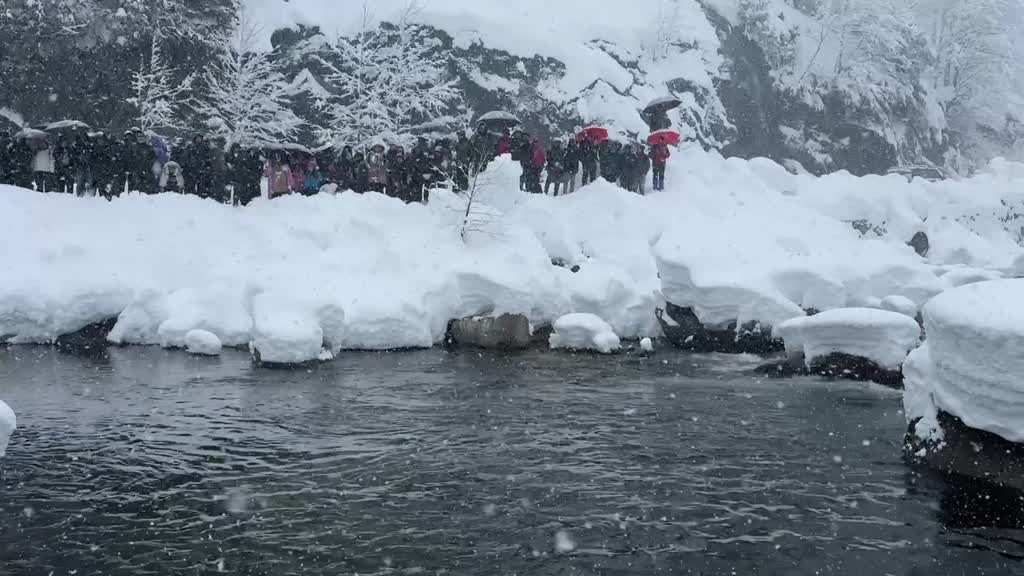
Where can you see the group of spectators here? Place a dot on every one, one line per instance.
(143, 162)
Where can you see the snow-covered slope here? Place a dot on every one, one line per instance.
(970, 366)
(736, 241)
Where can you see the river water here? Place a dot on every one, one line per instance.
(154, 462)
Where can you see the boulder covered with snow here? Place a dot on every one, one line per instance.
(8, 424)
(968, 372)
(900, 305)
(202, 343)
(505, 332)
(881, 336)
(584, 332)
(284, 335)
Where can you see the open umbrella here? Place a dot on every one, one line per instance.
(663, 137)
(595, 134)
(499, 120)
(31, 134)
(662, 105)
(66, 126)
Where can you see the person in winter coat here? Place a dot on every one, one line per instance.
(629, 169)
(571, 165)
(397, 174)
(360, 177)
(171, 178)
(535, 166)
(15, 162)
(643, 169)
(43, 165)
(588, 160)
(279, 177)
(616, 162)
(313, 178)
(102, 161)
(504, 144)
(376, 169)
(344, 170)
(218, 170)
(420, 169)
(659, 158)
(194, 161)
(556, 167)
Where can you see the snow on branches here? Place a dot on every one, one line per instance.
(385, 83)
(158, 98)
(244, 98)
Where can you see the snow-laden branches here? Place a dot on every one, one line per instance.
(385, 83)
(244, 98)
(158, 96)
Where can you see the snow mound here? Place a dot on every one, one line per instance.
(647, 345)
(881, 336)
(899, 304)
(202, 343)
(971, 364)
(8, 424)
(584, 332)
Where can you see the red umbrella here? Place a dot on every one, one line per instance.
(595, 134)
(663, 137)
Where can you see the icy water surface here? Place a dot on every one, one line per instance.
(153, 462)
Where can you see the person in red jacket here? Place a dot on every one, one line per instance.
(504, 145)
(659, 156)
(537, 162)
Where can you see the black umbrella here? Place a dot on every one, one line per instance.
(662, 105)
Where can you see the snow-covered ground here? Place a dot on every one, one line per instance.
(584, 332)
(881, 336)
(8, 423)
(972, 362)
(736, 240)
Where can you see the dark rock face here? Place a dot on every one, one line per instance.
(506, 332)
(683, 329)
(836, 365)
(920, 244)
(970, 453)
(91, 340)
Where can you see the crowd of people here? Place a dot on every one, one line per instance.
(94, 162)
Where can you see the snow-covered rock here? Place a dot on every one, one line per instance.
(506, 332)
(647, 345)
(971, 364)
(284, 334)
(202, 343)
(880, 336)
(8, 424)
(584, 332)
(899, 304)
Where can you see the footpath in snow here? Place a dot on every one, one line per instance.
(303, 278)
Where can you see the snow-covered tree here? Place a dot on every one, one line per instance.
(158, 96)
(385, 83)
(244, 98)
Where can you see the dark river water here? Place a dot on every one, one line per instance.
(153, 462)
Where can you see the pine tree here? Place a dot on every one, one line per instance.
(245, 98)
(158, 98)
(385, 83)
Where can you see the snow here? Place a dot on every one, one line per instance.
(8, 424)
(738, 241)
(900, 304)
(971, 364)
(584, 332)
(881, 336)
(647, 345)
(202, 343)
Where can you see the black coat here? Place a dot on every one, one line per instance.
(572, 160)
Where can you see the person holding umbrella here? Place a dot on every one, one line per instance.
(659, 141)
(572, 166)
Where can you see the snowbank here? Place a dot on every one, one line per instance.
(8, 423)
(584, 332)
(881, 336)
(202, 343)
(899, 304)
(735, 240)
(970, 366)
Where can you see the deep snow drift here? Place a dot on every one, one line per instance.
(972, 363)
(881, 336)
(8, 424)
(735, 240)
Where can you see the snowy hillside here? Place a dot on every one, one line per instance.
(732, 239)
